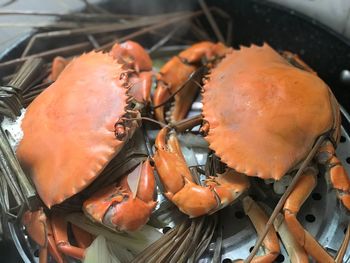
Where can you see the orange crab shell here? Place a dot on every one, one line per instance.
(69, 129)
(264, 113)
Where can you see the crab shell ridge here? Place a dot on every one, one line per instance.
(264, 113)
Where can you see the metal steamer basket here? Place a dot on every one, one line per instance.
(176, 25)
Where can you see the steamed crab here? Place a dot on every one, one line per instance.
(72, 131)
(262, 114)
(251, 85)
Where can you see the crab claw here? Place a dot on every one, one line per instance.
(192, 199)
(133, 54)
(121, 208)
(135, 57)
(174, 74)
(140, 88)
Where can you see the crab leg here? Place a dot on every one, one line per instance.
(302, 190)
(179, 186)
(39, 229)
(344, 246)
(259, 219)
(296, 252)
(58, 65)
(296, 61)
(83, 238)
(176, 72)
(59, 228)
(335, 173)
(52, 236)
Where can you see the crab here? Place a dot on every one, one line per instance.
(262, 114)
(58, 65)
(72, 131)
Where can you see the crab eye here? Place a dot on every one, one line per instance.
(120, 131)
(124, 76)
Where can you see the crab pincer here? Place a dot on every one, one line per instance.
(176, 72)
(118, 207)
(193, 199)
